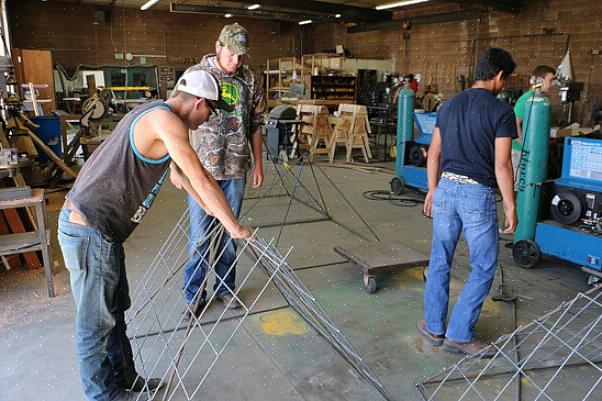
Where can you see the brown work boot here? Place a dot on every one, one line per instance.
(141, 384)
(229, 301)
(196, 309)
(475, 347)
(434, 339)
(129, 396)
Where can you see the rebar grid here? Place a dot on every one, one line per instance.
(560, 359)
(288, 179)
(303, 301)
(182, 350)
(287, 182)
(159, 328)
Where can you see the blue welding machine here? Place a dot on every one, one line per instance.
(410, 165)
(571, 228)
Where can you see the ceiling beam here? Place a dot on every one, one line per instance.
(348, 13)
(243, 12)
(424, 20)
(511, 6)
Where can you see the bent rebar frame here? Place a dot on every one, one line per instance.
(556, 356)
(289, 183)
(183, 348)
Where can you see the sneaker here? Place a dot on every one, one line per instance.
(229, 301)
(434, 339)
(141, 384)
(475, 347)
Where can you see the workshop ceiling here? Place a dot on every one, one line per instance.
(319, 11)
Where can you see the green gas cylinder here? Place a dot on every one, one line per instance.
(533, 164)
(405, 125)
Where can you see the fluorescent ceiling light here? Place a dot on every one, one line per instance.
(404, 3)
(149, 4)
(228, 15)
(337, 15)
(307, 21)
(254, 6)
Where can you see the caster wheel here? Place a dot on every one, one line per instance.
(370, 284)
(398, 186)
(593, 281)
(526, 254)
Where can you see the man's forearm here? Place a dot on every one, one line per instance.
(432, 171)
(185, 182)
(195, 195)
(505, 181)
(433, 160)
(257, 146)
(215, 200)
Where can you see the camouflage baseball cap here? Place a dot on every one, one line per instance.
(235, 37)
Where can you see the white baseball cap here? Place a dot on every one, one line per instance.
(200, 83)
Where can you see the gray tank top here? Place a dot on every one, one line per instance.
(117, 185)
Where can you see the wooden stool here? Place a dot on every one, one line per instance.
(352, 129)
(315, 132)
(30, 241)
(340, 134)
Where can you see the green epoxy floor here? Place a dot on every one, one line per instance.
(276, 355)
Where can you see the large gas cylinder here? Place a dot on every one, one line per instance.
(405, 125)
(533, 164)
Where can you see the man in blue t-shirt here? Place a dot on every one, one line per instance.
(468, 157)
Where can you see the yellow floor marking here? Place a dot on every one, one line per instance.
(283, 322)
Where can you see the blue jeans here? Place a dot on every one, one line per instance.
(100, 289)
(194, 271)
(458, 206)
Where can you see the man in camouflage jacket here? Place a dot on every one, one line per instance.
(221, 144)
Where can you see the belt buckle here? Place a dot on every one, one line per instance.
(452, 176)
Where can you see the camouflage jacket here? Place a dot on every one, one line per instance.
(221, 142)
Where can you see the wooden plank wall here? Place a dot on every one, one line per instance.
(68, 30)
(440, 52)
(35, 66)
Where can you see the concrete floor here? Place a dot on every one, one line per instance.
(276, 355)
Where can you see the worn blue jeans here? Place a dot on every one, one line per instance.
(101, 293)
(457, 207)
(194, 271)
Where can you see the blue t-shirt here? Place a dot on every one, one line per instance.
(469, 123)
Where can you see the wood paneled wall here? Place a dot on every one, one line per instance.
(69, 32)
(441, 52)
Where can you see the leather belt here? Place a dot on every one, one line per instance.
(459, 178)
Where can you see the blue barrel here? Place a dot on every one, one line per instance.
(50, 133)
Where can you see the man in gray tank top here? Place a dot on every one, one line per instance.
(111, 195)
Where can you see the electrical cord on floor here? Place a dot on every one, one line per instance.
(384, 195)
